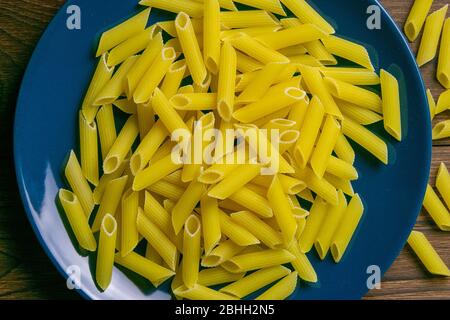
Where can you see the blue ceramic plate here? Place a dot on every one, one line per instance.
(46, 126)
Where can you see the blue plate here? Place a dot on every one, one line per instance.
(46, 126)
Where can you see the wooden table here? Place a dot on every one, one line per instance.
(25, 270)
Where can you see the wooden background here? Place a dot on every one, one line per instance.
(25, 270)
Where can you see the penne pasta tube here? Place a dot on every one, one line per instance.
(416, 18)
(129, 235)
(191, 251)
(126, 106)
(443, 102)
(173, 78)
(194, 101)
(443, 183)
(110, 201)
(290, 185)
(431, 104)
(155, 172)
(321, 187)
(216, 173)
(104, 181)
(347, 227)
(366, 139)
(355, 76)
(106, 129)
(436, 209)
(247, 19)
(211, 32)
(146, 118)
(101, 77)
(257, 260)
(313, 223)
(441, 130)
(306, 14)
(123, 31)
(302, 265)
(252, 201)
(144, 267)
(431, 35)
(427, 254)
(258, 228)
(244, 63)
(297, 211)
(190, 7)
(79, 184)
(344, 150)
(166, 113)
(121, 146)
(106, 250)
(226, 81)
(341, 169)
(186, 204)
(282, 289)
(325, 145)
(210, 215)
(317, 50)
(443, 68)
(190, 47)
(216, 276)
(77, 220)
(358, 114)
(236, 232)
(223, 252)
(305, 60)
(199, 292)
(340, 184)
(167, 190)
(154, 75)
(391, 105)
(89, 149)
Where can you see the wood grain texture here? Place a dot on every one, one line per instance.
(25, 270)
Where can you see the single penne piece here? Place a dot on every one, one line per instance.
(186, 204)
(436, 209)
(166, 113)
(329, 226)
(292, 36)
(431, 104)
(190, 47)
(79, 184)
(443, 68)
(349, 50)
(223, 252)
(341, 169)
(216, 173)
(298, 113)
(293, 50)
(106, 129)
(317, 86)
(255, 281)
(199, 292)
(154, 75)
(443, 102)
(305, 60)
(236, 232)
(115, 86)
(431, 35)
(391, 105)
(121, 146)
(167, 190)
(282, 289)
(321, 187)
(158, 239)
(226, 81)
(416, 18)
(252, 201)
(231, 206)
(353, 94)
(146, 118)
(355, 76)
(194, 101)
(237, 179)
(258, 260)
(88, 149)
(211, 35)
(273, 6)
(123, 31)
(77, 219)
(143, 63)
(247, 19)
(443, 183)
(366, 139)
(126, 106)
(131, 46)
(144, 267)
(155, 172)
(210, 216)
(282, 210)
(325, 145)
(313, 223)
(309, 131)
(290, 185)
(297, 211)
(106, 179)
(191, 251)
(257, 50)
(101, 77)
(110, 201)
(258, 228)
(173, 78)
(244, 63)
(269, 103)
(158, 214)
(441, 130)
(360, 115)
(129, 235)
(252, 31)
(192, 8)
(317, 50)
(302, 265)
(347, 227)
(307, 14)
(340, 184)
(245, 79)
(427, 254)
(106, 251)
(344, 150)
(216, 276)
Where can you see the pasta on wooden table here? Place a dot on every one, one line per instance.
(234, 155)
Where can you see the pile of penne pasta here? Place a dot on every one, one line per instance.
(225, 224)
